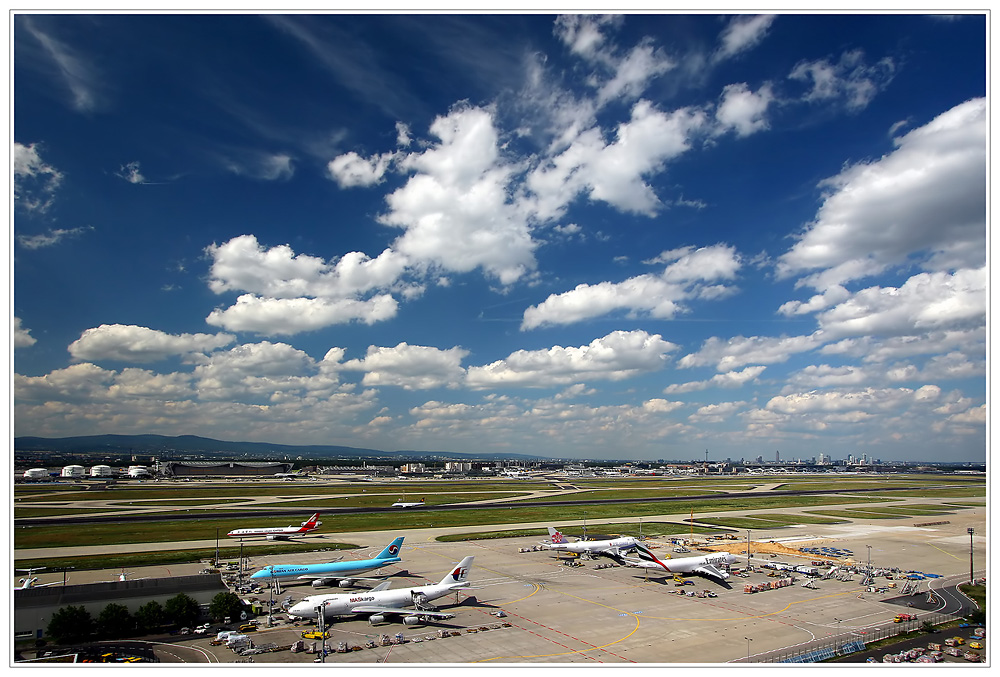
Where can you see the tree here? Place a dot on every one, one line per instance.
(150, 616)
(70, 624)
(225, 604)
(115, 621)
(182, 610)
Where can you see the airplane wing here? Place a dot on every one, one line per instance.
(710, 570)
(375, 609)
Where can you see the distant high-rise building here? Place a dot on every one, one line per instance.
(777, 457)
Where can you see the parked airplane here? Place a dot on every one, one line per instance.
(29, 581)
(557, 541)
(278, 533)
(705, 565)
(401, 503)
(381, 602)
(328, 573)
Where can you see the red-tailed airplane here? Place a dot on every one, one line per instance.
(278, 533)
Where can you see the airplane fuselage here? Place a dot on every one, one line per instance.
(342, 604)
(623, 543)
(330, 569)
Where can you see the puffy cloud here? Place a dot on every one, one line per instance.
(970, 342)
(731, 379)
(131, 343)
(866, 400)
(35, 182)
(716, 413)
(633, 72)
(410, 367)
(277, 317)
(824, 375)
(292, 293)
(242, 264)
(850, 79)
(616, 356)
(926, 302)
(742, 110)
(22, 336)
(263, 372)
(928, 197)
(350, 169)
(583, 34)
(658, 295)
(455, 210)
(741, 34)
(74, 384)
(741, 350)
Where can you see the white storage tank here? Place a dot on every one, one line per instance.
(138, 471)
(36, 473)
(101, 471)
(73, 471)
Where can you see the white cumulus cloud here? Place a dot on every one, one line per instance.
(616, 356)
(131, 343)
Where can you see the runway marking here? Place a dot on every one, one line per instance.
(944, 551)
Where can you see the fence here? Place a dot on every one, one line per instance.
(847, 643)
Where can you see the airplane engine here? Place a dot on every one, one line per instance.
(375, 619)
(274, 537)
(345, 583)
(321, 582)
(413, 620)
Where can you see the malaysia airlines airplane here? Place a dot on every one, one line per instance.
(401, 503)
(278, 533)
(343, 573)
(557, 541)
(706, 565)
(381, 602)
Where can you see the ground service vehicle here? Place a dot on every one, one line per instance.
(315, 634)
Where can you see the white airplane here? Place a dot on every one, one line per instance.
(381, 602)
(278, 533)
(705, 565)
(401, 503)
(29, 582)
(557, 541)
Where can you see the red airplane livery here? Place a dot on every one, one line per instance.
(278, 533)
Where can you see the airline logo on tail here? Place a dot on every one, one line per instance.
(556, 536)
(393, 549)
(459, 574)
(646, 556)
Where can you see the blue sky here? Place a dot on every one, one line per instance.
(632, 237)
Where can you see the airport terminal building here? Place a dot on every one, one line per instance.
(223, 468)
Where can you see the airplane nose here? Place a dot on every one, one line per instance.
(302, 610)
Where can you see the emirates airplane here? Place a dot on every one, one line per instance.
(278, 533)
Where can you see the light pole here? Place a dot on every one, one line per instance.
(748, 648)
(972, 577)
(869, 560)
(748, 548)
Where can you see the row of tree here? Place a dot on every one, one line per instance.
(72, 624)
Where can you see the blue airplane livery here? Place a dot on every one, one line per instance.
(343, 573)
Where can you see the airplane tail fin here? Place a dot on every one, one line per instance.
(646, 556)
(391, 550)
(312, 522)
(460, 574)
(555, 536)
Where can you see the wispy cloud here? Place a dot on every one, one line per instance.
(51, 237)
(70, 68)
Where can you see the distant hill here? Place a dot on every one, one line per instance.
(190, 445)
